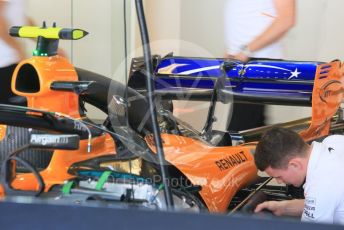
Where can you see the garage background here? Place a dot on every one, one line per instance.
(190, 28)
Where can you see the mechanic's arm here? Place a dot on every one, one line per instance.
(282, 208)
(284, 20)
(4, 35)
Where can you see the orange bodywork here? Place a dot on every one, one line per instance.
(50, 69)
(3, 129)
(212, 167)
(57, 170)
(327, 96)
(220, 171)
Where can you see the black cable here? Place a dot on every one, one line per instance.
(126, 79)
(31, 168)
(72, 26)
(36, 121)
(6, 173)
(151, 100)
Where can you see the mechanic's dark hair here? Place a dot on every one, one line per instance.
(277, 146)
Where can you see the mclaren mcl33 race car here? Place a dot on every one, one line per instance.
(141, 155)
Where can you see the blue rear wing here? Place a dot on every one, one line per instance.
(266, 81)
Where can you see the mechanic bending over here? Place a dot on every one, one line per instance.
(319, 167)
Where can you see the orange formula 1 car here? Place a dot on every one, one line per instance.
(59, 153)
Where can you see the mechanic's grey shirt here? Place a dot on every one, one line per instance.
(324, 187)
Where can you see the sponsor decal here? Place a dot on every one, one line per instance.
(169, 69)
(310, 207)
(330, 89)
(48, 139)
(231, 161)
(293, 74)
(188, 72)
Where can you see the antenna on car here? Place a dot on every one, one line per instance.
(151, 99)
(47, 37)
